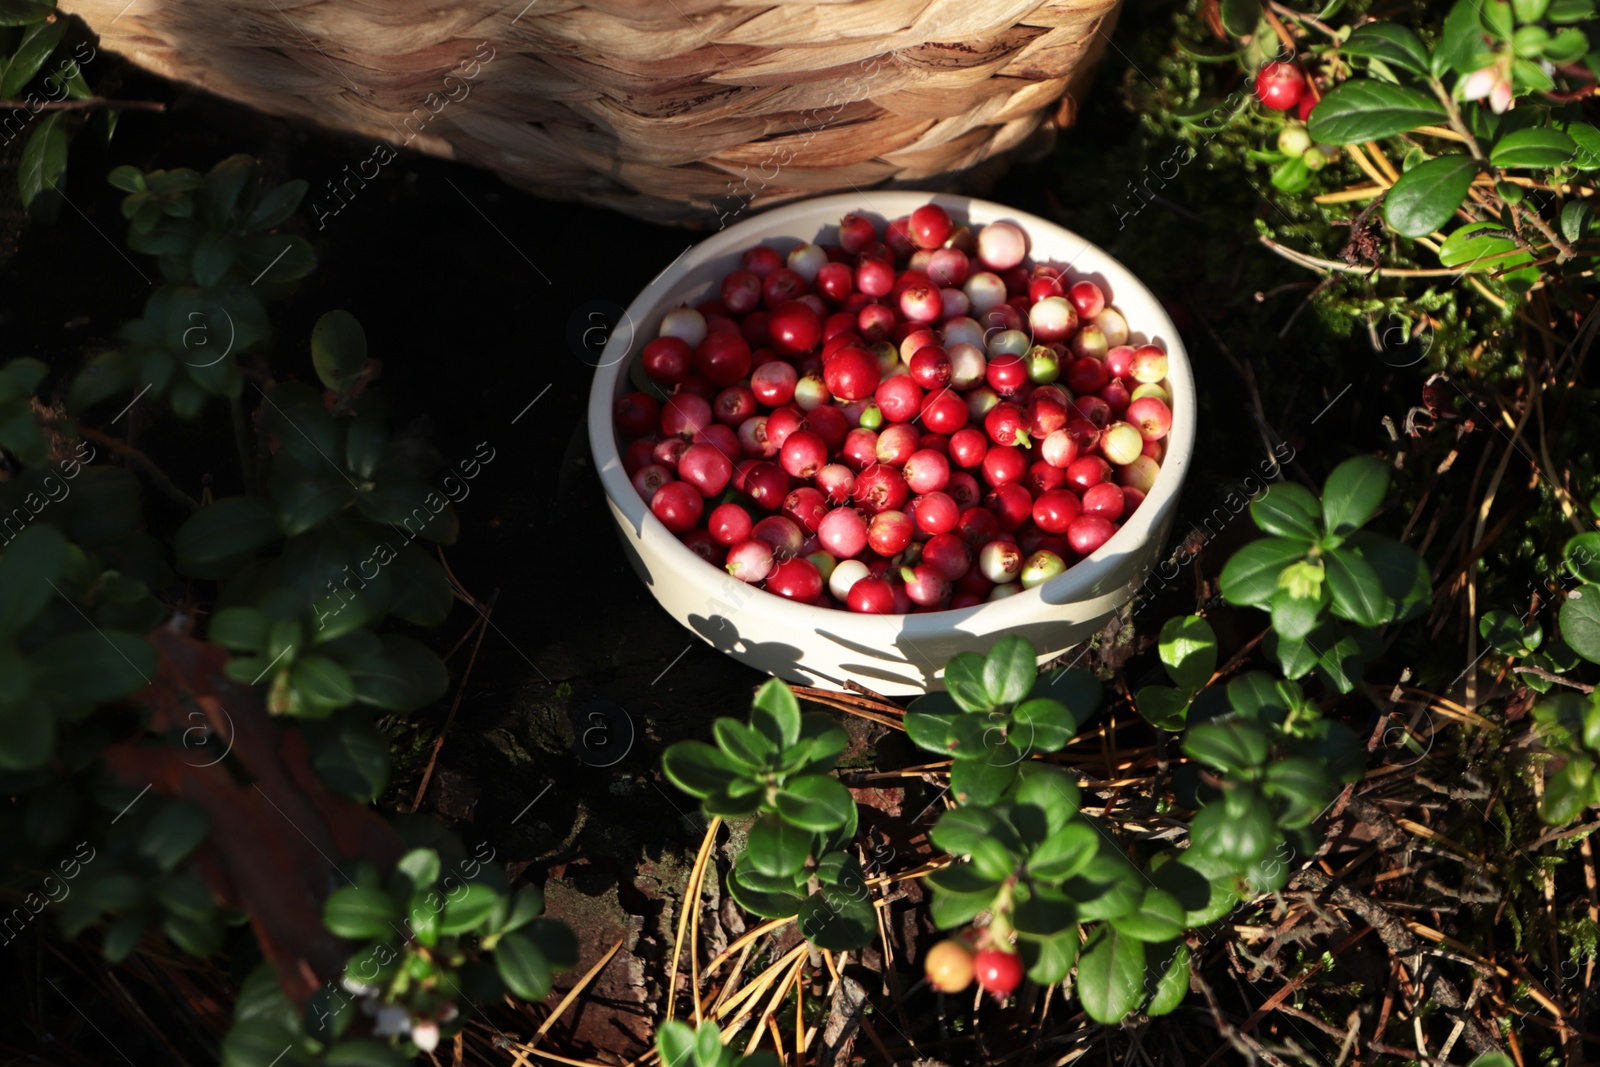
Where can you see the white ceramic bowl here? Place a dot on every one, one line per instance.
(893, 654)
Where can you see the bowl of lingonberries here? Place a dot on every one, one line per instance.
(849, 438)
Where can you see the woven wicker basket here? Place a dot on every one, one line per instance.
(674, 110)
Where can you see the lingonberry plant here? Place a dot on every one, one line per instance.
(423, 941)
(1266, 763)
(1525, 650)
(37, 77)
(1319, 569)
(682, 1046)
(795, 860)
(1569, 725)
(118, 682)
(1188, 651)
(997, 711)
(1486, 120)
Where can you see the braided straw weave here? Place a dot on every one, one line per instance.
(674, 110)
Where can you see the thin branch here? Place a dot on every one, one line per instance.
(1540, 672)
(1315, 262)
(92, 103)
(157, 476)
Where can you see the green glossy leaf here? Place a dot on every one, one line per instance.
(931, 731)
(30, 570)
(24, 12)
(1304, 785)
(176, 830)
(39, 40)
(1427, 195)
(963, 679)
(766, 903)
(1504, 632)
(1049, 959)
(1238, 834)
(777, 847)
(1204, 888)
(746, 745)
(338, 350)
(675, 1042)
(262, 1043)
(1077, 689)
(467, 906)
(43, 165)
(776, 714)
(363, 1054)
(522, 967)
(322, 682)
(1188, 648)
(93, 667)
(1250, 576)
(815, 802)
(1391, 42)
(1576, 218)
(403, 676)
(1050, 789)
(215, 541)
(839, 918)
(556, 940)
(1496, 16)
(1363, 110)
(1009, 670)
(1566, 46)
(1111, 975)
(1402, 572)
(1352, 494)
(697, 768)
(1159, 917)
(1067, 852)
(1040, 726)
(1232, 746)
(1294, 617)
(349, 753)
(1172, 983)
(1568, 791)
(276, 207)
(961, 830)
(1356, 589)
(1460, 39)
(1239, 17)
(1481, 246)
(361, 914)
(1533, 147)
(978, 781)
(1163, 706)
(1580, 622)
(1288, 510)
(1586, 142)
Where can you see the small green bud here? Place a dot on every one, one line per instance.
(1294, 140)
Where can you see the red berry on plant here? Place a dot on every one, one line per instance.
(1280, 86)
(998, 972)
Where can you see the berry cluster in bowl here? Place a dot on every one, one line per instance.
(914, 418)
